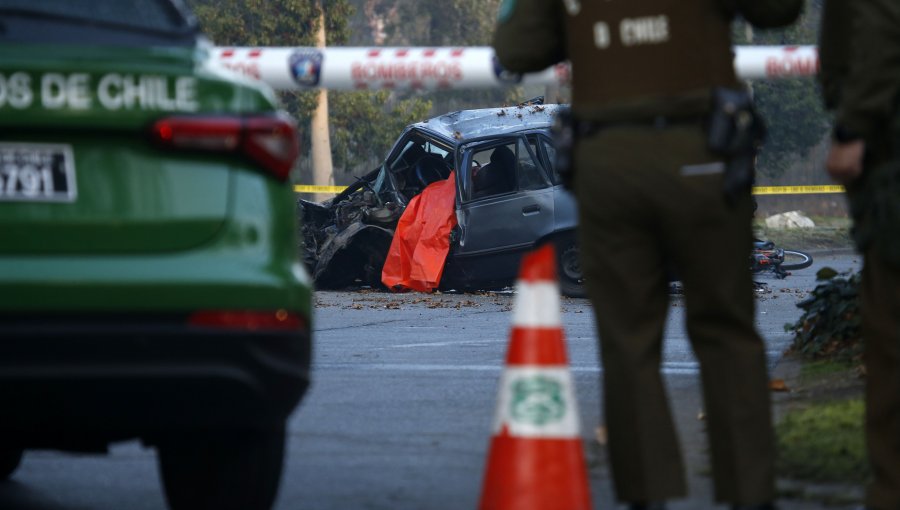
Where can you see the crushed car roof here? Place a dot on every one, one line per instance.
(468, 124)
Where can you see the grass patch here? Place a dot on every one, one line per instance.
(823, 442)
(829, 233)
(808, 239)
(815, 370)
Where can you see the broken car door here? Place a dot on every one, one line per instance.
(506, 205)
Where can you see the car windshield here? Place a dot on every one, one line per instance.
(413, 151)
(419, 162)
(378, 185)
(95, 22)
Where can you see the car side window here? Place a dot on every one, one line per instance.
(494, 170)
(529, 175)
(550, 152)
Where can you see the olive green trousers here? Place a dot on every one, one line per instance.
(880, 294)
(880, 302)
(650, 199)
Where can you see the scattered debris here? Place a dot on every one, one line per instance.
(789, 220)
(601, 435)
(778, 385)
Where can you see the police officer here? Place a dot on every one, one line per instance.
(650, 193)
(860, 51)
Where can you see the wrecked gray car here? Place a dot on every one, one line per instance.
(508, 200)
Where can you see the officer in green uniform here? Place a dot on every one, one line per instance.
(860, 57)
(650, 194)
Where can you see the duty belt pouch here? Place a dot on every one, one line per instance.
(564, 135)
(735, 132)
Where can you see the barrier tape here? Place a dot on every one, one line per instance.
(311, 188)
(797, 190)
(439, 68)
(757, 190)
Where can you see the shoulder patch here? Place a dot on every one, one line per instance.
(506, 10)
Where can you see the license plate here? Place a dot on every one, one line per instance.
(37, 172)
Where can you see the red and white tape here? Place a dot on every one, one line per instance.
(343, 68)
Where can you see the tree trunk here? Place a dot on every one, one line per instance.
(323, 171)
(551, 94)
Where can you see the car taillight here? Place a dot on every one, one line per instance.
(248, 320)
(268, 140)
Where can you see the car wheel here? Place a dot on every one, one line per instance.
(571, 279)
(10, 458)
(372, 271)
(237, 470)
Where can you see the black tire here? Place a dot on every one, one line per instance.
(794, 260)
(238, 470)
(568, 265)
(10, 458)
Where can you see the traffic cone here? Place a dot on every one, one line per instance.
(536, 461)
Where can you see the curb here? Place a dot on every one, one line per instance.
(825, 252)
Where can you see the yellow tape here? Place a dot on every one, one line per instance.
(309, 188)
(796, 190)
(757, 190)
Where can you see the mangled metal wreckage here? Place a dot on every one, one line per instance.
(508, 200)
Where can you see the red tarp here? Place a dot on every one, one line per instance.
(422, 239)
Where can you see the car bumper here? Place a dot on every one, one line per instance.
(72, 379)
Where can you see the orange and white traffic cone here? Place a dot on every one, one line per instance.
(536, 461)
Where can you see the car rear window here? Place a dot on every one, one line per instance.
(124, 22)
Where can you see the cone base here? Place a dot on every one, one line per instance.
(535, 474)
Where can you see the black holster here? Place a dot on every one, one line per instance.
(735, 132)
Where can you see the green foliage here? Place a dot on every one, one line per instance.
(365, 124)
(830, 324)
(270, 22)
(445, 23)
(796, 122)
(824, 442)
(792, 108)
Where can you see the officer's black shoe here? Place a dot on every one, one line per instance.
(647, 506)
(764, 506)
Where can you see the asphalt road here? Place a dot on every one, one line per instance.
(400, 410)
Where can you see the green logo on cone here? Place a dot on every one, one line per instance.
(537, 400)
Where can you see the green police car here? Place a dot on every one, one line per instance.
(149, 282)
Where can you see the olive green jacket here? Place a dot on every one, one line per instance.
(633, 60)
(530, 35)
(860, 63)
